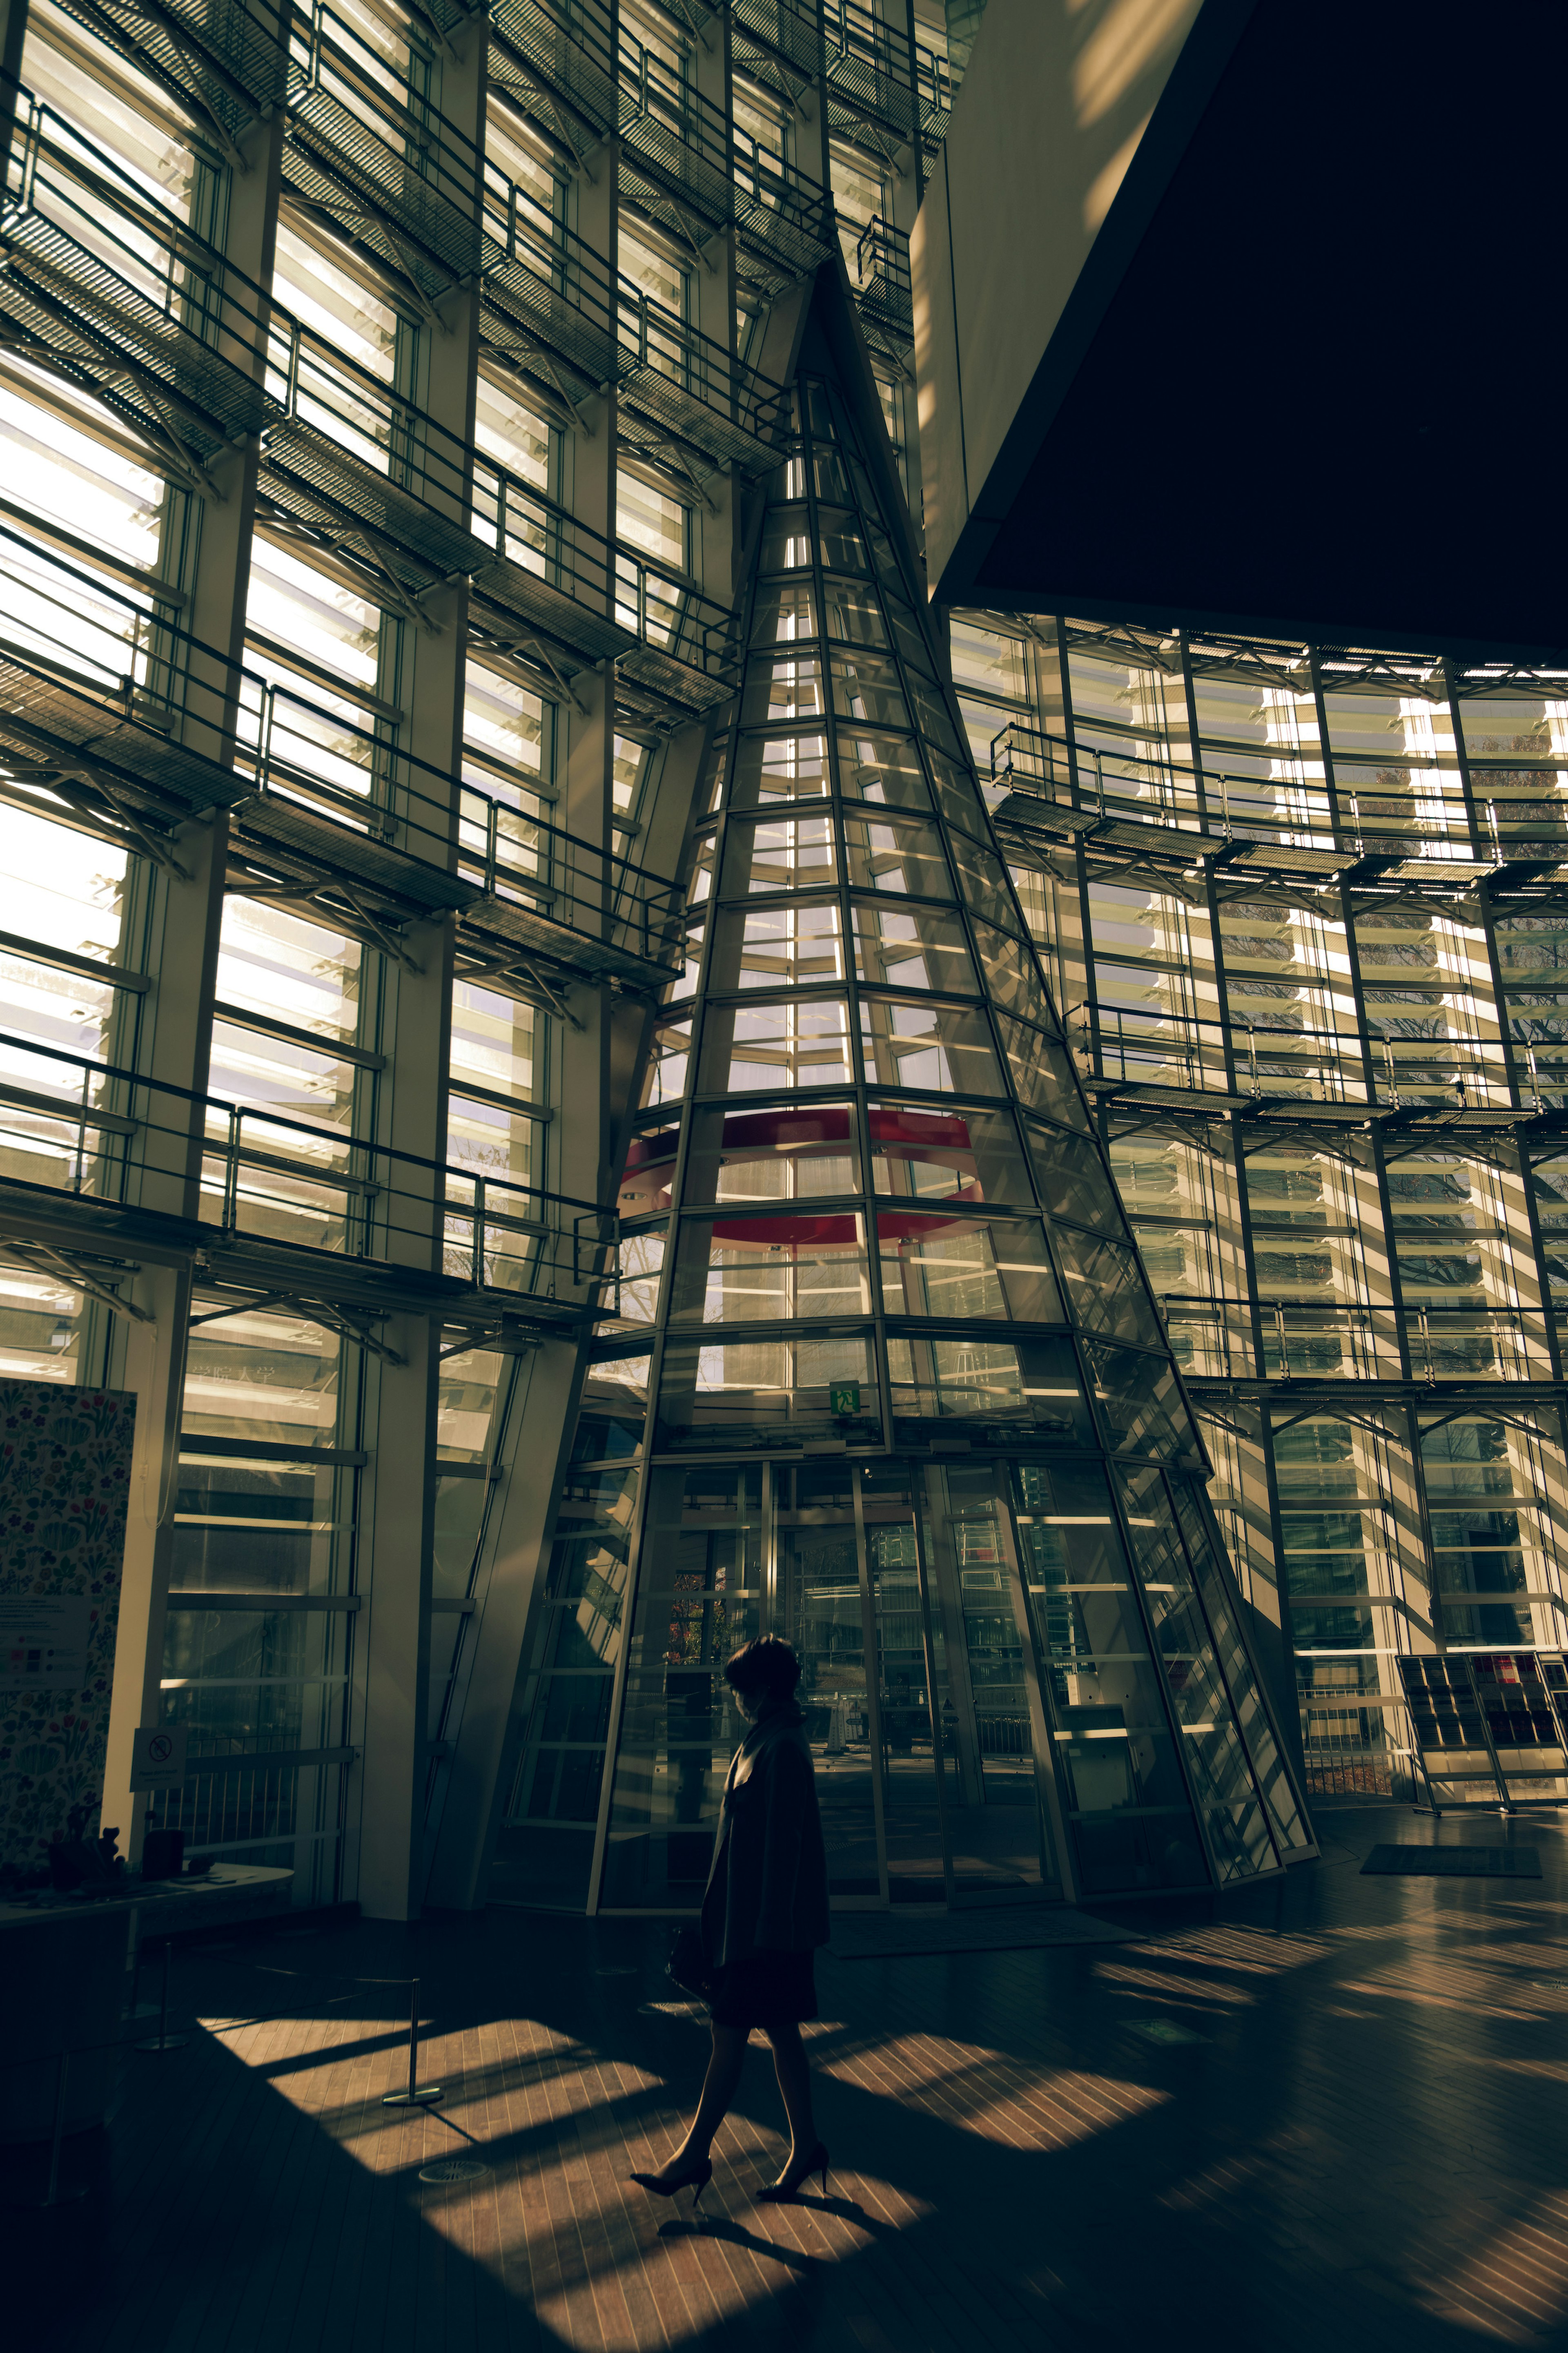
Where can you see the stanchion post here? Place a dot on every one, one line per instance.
(163, 2039)
(417, 2095)
(59, 2132)
(52, 2196)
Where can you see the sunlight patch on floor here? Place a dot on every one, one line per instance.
(985, 2091)
(1515, 2287)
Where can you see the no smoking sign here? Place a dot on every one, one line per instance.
(158, 1756)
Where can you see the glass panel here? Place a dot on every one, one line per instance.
(701, 887)
(641, 1266)
(243, 1646)
(614, 1405)
(780, 854)
(904, 857)
(778, 947)
(916, 947)
(258, 1527)
(770, 1270)
(1219, 1603)
(1128, 1811)
(1073, 1180)
(818, 1607)
(771, 1155)
(750, 1047)
(866, 686)
(910, 637)
(460, 1516)
(932, 719)
(1105, 1285)
(965, 1154)
(668, 1065)
(545, 1853)
(853, 613)
(650, 1172)
(1012, 981)
(271, 1379)
(956, 795)
(786, 540)
(1003, 1392)
(1227, 1797)
(783, 690)
(959, 1267)
(885, 768)
(764, 1393)
(995, 1823)
(700, 1594)
(843, 549)
(908, 1648)
(1141, 1401)
(1043, 1075)
(984, 882)
(943, 1049)
(769, 768)
(783, 613)
(829, 474)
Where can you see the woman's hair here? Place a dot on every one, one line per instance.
(767, 1666)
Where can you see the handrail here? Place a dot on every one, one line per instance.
(645, 332)
(274, 739)
(1217, 801)
(1461, 1063)
(264, 1175)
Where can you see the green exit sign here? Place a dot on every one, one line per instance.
(844, 1399)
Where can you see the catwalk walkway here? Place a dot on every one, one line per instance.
(1326, 2115)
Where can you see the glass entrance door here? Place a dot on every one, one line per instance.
(994, 1732)
(816, 1603)
(898, 1588)
(916, 1753)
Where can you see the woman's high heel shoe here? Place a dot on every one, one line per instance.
(697, 2176)
(784, 2191)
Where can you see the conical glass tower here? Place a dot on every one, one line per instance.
(909, 1402)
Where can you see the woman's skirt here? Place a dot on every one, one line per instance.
(767, 1990)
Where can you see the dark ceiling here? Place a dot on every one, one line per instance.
(1329, 396)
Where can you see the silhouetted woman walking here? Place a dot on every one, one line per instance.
(763, 1914)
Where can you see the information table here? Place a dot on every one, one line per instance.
(64, 1966)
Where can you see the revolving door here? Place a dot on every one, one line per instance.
(901, 1589)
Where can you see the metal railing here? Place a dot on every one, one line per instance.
(603, 334)
(1140, 1043)
(103, 1136)
(106, 286)
(1304, 1340)
(870, 73)
(259, 736)
(361, 145)
(680, 160)
(883, 286)
(1420, 809)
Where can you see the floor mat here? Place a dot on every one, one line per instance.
(1455, 1862)
(882, 1936)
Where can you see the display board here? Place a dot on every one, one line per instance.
(65, 1479)
(1490, 1726)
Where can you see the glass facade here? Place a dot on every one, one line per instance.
(433, 633)
(1297, 905)
(909, 1403)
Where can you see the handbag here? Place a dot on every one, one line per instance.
(688, 1965)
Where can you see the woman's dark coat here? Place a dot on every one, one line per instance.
(767, 1891)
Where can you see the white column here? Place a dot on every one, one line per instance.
(184, 933)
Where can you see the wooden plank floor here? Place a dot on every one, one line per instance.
(1331, 2113)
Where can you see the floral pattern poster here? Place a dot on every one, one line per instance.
(65, 1483)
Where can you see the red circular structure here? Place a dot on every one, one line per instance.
(917, 1138)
